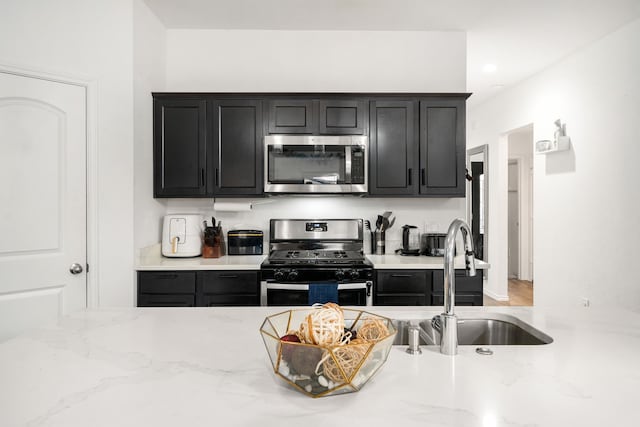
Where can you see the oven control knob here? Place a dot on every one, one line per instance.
(339, 274)
(278, 275)
(354, 274)
(293, 275)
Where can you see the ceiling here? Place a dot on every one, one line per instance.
(519, 37)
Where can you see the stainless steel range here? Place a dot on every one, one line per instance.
(310, 252)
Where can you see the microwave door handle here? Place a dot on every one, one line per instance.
(347, 164)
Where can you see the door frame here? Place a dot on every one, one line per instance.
(517, 161)
(91, 140)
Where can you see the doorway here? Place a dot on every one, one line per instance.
(520, 216)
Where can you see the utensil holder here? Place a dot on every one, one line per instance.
(378, 242)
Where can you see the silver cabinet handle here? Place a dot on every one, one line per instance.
(75, 268)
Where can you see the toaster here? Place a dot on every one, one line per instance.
(244, 242)
(432, 244)
(182, 235)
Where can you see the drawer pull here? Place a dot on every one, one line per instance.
(402, 275)
(228, 276)
(166, 276)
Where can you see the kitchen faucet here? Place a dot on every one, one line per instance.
(448, 322)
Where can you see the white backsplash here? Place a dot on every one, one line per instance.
(432, 215)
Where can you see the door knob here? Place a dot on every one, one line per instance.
(75, 268)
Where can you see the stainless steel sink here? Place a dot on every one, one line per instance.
(481, 329)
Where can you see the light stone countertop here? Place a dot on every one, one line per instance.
(150, 259)
(208, 367)
(399, 262)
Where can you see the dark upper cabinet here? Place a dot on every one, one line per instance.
(236, 157)
(342, 117)
(442, 147)
(324, 116)
(393, 162)
(179, 147)
(210, 145)
(295, 116)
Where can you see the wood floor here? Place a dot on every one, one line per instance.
(520, 293)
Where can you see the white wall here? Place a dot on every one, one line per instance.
(149, 63)
(307, 61)
(91, 40)
(586, 200)
(228, 61)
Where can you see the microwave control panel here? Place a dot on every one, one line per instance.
(357, 165)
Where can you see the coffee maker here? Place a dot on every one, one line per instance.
(410, 241)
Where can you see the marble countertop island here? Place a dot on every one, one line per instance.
(208, 367)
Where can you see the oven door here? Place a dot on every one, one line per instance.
(296, 294)
(315, 164)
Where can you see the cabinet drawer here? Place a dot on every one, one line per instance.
(229, 300)
(461, 299)
(401, 281)
(464, 283)
(167, 282)
(230, 282)
(172, 300)
(403, 299)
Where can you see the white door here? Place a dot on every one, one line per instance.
(42, 201)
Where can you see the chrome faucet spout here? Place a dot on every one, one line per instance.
(448, 319)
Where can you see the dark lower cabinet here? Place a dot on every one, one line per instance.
(168, 300)
(198, 288)
(228, 288)
(402, 287)
(424, 287)
(468, 289)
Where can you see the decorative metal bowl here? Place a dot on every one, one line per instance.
(319, 370)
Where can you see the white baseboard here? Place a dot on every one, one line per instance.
(495, 296)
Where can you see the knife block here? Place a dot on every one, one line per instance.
(213, 246)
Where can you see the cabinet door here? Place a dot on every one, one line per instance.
(167, 282)
(171, 300)
(179, 141)
(228, 288)
(393, 161)
(442, 147)
(402, 287)
(468, 289)
(293, 116)
(342, 117)
(464, 283)
(237, 147)
(166, 289)
(461, 300)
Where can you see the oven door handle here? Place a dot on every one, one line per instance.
(264, 286)
(305, 286)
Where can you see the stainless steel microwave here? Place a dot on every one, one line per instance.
(316, 164)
